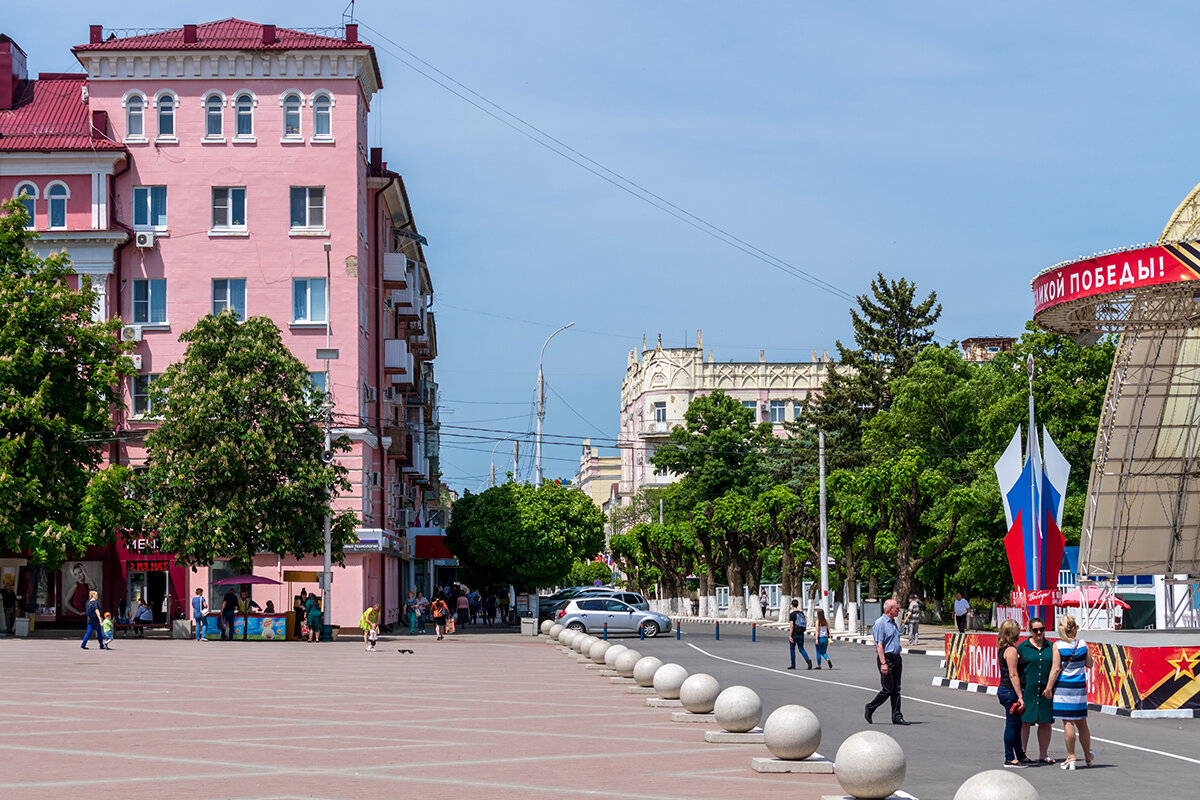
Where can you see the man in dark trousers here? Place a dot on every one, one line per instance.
(887, 653)
(229, 609)
(796, 635)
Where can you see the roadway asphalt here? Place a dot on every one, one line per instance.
(954, 734)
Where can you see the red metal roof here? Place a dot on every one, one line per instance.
(51, 115)
(225, 34)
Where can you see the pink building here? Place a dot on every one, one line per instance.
(227, 165)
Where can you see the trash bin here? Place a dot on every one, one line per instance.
(529, 626)
(182, 629)
(22, 626)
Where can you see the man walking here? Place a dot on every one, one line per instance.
(796, 637)
(229, 607)
(962, 609)
(913, 619)
(887, 653)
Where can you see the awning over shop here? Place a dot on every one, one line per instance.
(431, 547)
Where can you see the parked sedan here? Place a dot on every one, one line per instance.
(593, 613)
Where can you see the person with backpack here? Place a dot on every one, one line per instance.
(796, 636)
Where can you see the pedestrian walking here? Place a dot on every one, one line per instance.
(463, 605)
(370, 627)
(439, 611)
(913, 619)
(489, 608)
(888, 661)
(473, 599)
(962, 610)
(1068, 687)
(95, 623)
(229, 607)
(823, 639)
(422, 607)
(106, 628)
(9, 598)
(502, 599)
(199, 612)
(1012, 681)
(312, 614)
(410, 614)
(796, 636)
(1039, 710)
(763, 603)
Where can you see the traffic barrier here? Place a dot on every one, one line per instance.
(753, 631)
(718, 630)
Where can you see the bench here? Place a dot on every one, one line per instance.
(126, 627)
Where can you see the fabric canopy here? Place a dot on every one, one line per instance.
(1092, 596)
(240, 579)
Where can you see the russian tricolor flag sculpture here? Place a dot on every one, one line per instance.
(1033, 494)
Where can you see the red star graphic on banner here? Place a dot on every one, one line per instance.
(1185, 664)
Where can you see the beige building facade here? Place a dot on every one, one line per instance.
(660, 383)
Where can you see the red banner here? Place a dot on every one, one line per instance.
(1116, 272)
(1134, 678)
(1022, 598)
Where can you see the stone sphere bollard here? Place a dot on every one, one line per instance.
(699, 692)
(556, 631)
(596, 651)
(546, 625)
(582, 641)
(738, 709)
(668, 679)
(996, 784)
(792, 733)
(567, 637)
(870, 764)
(644, 669)
(610, 655)
(625, 663)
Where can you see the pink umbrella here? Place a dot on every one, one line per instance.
(238, 579)
(1092, 596)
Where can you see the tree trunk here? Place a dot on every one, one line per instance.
(737, 587)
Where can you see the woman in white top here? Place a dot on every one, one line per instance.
(822, 639)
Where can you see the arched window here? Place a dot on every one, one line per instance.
(291, 115)
(135, 111)
(166, 103)
(27, 194)
(57, 195)
(322, 106)
(244, 114)
(214, 122)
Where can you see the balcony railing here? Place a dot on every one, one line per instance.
(398, 362)
(395, 270)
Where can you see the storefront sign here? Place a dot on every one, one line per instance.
(149, 566)
(1022, 598)
(1116, 272)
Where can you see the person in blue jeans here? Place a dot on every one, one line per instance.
(199, 606)
(796, 638)
(1012, 669)
(95, 622)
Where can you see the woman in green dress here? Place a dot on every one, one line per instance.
(1039, 710)
(312, 611)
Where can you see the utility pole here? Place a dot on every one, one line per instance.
(541, 408)
(327, 457)
(824, 529)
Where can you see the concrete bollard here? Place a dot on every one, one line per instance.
(699, 692)
(792, 733)
(870, 764)
(738, 709)
(555, 632)
(546, 626)
(625, 663)
(668, 679)
(597, 651)
(644, 669)
(610, 655)
(996, 784)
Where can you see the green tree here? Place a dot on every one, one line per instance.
(60, 373)
(530, 537)
(890, 328)
(235, 466)
(586, 573)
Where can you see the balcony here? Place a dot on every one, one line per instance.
(399, 443)
(398, 362)
(406, 303)
(396, 274)
(655, 429)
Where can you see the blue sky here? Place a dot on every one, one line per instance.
(962, 146)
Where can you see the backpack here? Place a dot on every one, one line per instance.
(800, 622)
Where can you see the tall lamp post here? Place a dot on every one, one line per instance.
(327, 354)
(541, 407)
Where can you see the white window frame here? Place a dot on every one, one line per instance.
(147, 379)
(298, 136)
(227, 226)
(146, 314)
(228, 301)
(148, 201)
(322, 94)
(657, 407)
(244, 94)
(781, 407)
(51, 199)
(308, 288)
(135, 138)
(166, 100)
(33, 198)
(308, 225)
(219, 137)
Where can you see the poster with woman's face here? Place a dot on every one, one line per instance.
(79, 578)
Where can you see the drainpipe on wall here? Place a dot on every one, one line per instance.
(115, 305)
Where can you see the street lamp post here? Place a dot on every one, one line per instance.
(327, 456)
(541, 407)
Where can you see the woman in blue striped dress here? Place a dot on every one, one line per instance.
(1068, 688)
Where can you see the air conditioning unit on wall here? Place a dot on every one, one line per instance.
(131, 333)
(143, 239)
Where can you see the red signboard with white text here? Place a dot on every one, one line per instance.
(1116, 272)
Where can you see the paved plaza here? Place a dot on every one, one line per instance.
(477, 715)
